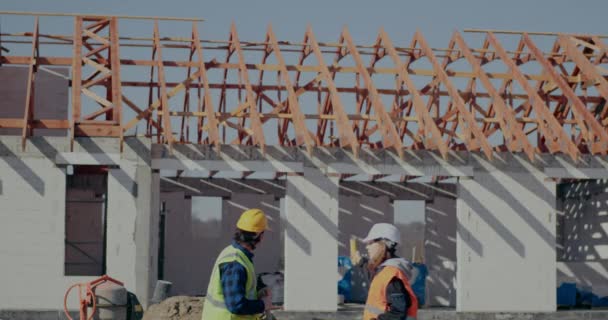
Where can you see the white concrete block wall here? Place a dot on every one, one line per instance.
(32, 234)
(120, 244)
(440, 251)
(311, 242)
(146, 231)
(506, 243)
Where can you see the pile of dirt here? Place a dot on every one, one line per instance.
(176, 308)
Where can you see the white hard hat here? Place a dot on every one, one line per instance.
(383, 231)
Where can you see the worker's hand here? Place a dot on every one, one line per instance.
(266, 296)
(267, 303)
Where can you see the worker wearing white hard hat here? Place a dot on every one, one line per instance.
(390, 295)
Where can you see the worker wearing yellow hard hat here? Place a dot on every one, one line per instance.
(233, 292)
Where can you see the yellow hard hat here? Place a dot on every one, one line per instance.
(252, 220)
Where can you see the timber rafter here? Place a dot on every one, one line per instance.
(482, 97)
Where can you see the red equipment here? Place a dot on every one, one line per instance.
(89, 296)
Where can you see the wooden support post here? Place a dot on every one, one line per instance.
(424, 118)
(213, 133)
(76, 79)
(30, 95)
(256, 124)
(116, 82)
(385, 123)
(471, 130)
(166, 119)
(505, 115)
(347, 136)
(582, 115)
(587, 68)
(548, 126)
(303, 136)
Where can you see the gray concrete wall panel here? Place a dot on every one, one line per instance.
(440, 251)
(506, 243)
(311, 236)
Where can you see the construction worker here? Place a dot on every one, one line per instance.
(390, 295)
(233, 292)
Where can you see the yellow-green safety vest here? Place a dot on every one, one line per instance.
(214, 307)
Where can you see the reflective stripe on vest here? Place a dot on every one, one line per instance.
(215, 303)
(214, 307)
(373, 310)
(376, 299)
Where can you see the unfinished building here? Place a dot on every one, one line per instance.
(133, 154)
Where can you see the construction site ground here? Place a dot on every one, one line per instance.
(189, 308)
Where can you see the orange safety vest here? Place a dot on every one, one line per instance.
(376, 298)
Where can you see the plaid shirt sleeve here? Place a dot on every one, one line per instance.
(233, 277)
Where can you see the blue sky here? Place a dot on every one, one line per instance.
(436, 19)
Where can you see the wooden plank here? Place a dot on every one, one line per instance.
(90, 34)
(256, 124)
(548, 126)
(505, 115)
(91, 130)
(424, 118)
(116, 93)
(63, 61)
(135, 108)
(76, 77)
(310, 88)
(37, 124)
(98, 122)
(168, 133)
(584, 43)
(347, 136)
(96, 52)
(98, 113)
(587, 68)
(277, 107)
(472, 128)
(213, 133)
(97, 98)
(387, 127)
(96, 81)
(581, 113)
(50, 124)
(96, 66)
(185, 123)
(45, 61)
(223, 116)
(28, 115)
(302, 133)
(177, 89)
(102, 23)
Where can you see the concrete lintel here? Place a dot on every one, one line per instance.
(414, 163)
(227, 165)
(82, 158)
(234, 152)
(587, 167)
(223, 187)
(575, 173)
(401, 169)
